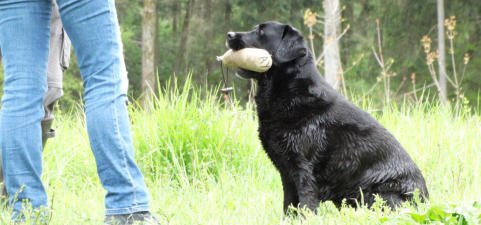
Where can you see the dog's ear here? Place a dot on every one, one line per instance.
(291, 47)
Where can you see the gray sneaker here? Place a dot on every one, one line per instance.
(141, 218)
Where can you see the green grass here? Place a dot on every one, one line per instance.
(203, 164)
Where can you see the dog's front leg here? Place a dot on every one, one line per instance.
(291, 198)
(307, 189)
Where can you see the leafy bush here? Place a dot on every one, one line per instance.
(462, 214)
(189, 135)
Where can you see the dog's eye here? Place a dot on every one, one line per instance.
(260, 31)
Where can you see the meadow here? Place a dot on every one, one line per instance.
(203, 164)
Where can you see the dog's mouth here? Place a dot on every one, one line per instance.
(235, 44)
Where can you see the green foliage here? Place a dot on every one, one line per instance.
(188, 135)
(403, 23)
(133, 50)
(462, 214)
(203, 164)
(72, 86)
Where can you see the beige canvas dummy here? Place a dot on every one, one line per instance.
(253, 59)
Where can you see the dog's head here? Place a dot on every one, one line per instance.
(282, 41)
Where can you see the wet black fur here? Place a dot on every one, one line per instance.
(324, 147)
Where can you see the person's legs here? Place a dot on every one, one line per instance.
(94, 31)
(58, 58)
(57, 62)
(24, 39)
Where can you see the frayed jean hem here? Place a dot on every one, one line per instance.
(134, 209)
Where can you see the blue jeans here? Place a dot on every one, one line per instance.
(24, 40)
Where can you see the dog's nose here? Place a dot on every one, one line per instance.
(230, 35)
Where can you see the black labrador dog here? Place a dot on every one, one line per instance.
(324, 147)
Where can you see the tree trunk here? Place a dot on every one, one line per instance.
(148, 51)
(175, 13)
(184, 37)
(156, 48)
(227, 14)
(442, 54)
(332, 60)
(207, 9)
(210, 35)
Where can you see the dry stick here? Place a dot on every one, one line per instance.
(320, 18)
(343, 83)
(381, 57)
(451, 52)
(462, 75)
(399, 88)
(424, 95)
(347, 70)
(414, 89)
(377, 58)
(337, 39)
(433, 74)
(311, 40)
(354, 63)
(388, 77)
(420, 89)
(447, 77)
(380, 61)
(456, 86)
(450, 81)
(372, 88)
(318, 59)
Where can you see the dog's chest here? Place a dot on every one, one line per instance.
(287, 140)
